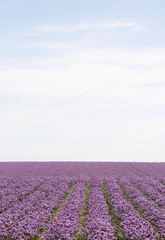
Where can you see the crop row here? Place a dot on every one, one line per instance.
(25, 219)
(80, 169)
(147, 208)
(98, 224)
(66, 225)
(68, 208)
(151, 192)
(16, 190)
(134, 227)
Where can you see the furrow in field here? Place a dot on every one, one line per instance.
(137, 170)
(56, 211)
(35, 198)
(15, 193)
(83, 216)
(148, 209)
(133, 170)
(132, 224)
(162, 181)
(98, 224)
(65, 224)
(149, 192)
(25, 220)
(155, 183)
(115, 220)
(18, 192)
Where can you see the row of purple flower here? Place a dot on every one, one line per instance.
(54, 205)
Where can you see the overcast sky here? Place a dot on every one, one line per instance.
(82, 80)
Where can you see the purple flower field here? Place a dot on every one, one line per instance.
(82, 201)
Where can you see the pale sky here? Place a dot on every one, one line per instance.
(82, 80)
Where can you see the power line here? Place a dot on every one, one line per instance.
(92, 92)
(102, 109)
(95, 91)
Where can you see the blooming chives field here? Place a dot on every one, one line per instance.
(82, 201)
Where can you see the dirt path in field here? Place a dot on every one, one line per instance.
(84, 213)
(136, 207)
(149, 198)
(115, 220)
(21, 199)
(56, 212)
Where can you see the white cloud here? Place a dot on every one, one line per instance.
(48, 45)
(104, 56)
(75, 73)
(140, 28)
(133, 131)
(87, 26)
